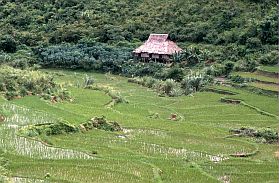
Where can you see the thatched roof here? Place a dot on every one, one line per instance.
(158, 44)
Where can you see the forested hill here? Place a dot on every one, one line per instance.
(218, 22)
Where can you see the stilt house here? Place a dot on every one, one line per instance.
(157, 47)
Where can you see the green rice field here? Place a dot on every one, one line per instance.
(258, 77)
(273, 69)
(197, 147)
(263, 82)
(270, 87)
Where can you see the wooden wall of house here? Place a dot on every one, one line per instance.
(155, 56)
(144, 55)
(166, 57)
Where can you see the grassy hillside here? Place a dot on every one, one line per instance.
(198, 147)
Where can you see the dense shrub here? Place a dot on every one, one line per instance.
(82, 56)
(240, 79)
(247, 65)
(195, 82)
(265, 135)
(230, 34)
(215, 70)
(22, 58)
(253, 43)
(191, 56)
(71, 21)
(8, 44)
(15, 83)
(270, 58)
(168, 87)
(60, 127)
(134, 68)
(149, 81)
(190, 84)
(101, 123)
(174, 73)
(237, 79)
(228, 67)
(105, 58)
(98, 57)
(49, 129)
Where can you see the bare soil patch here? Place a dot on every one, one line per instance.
(2, 118)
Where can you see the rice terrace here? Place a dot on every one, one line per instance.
(138, 91)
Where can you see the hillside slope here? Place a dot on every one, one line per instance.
(208, 21)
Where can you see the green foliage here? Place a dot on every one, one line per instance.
(8, 44)
(60, 128)
(248, 65)
(148, 82)
(82, 56)
(215, 70)
(88, 81)
(237, 79)
(131, 68)
(15, 83)
(169, 87)
(191, 56)
(267, 135)
(174, 73)
(101, 123)
(268, 29)
(244, 77)
(228, 68)
(241, 32)
(97, 56)
(253, 43)
(71, 21)
(195, 82)
(270, 58)
(22, 58)
(256, 76)
(49, 129)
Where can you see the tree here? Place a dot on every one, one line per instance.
(268, 30)
(8, 44)
(253, 43)
(228, 68)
